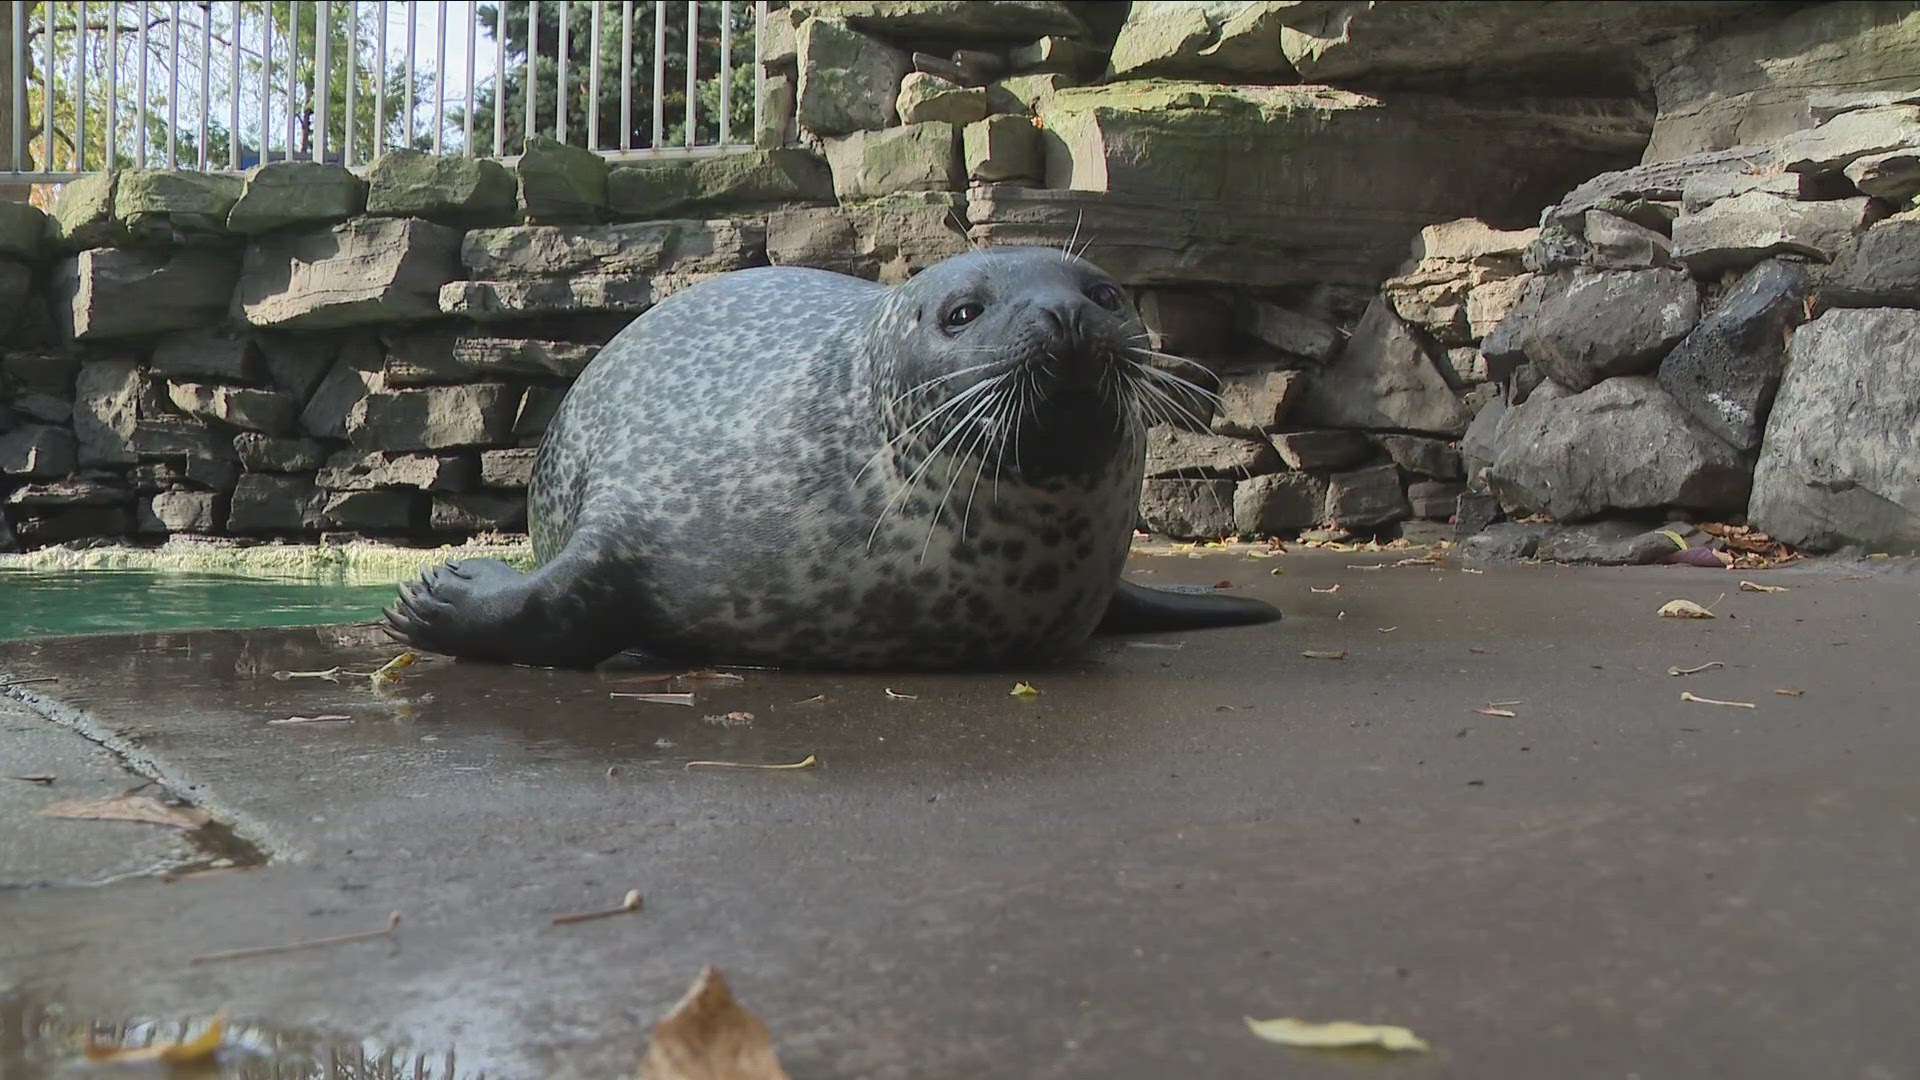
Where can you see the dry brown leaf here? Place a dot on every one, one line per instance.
(1324, 654)
(188, 1052)
(1685, 696)
(1336, 1034)
(1496, 712)
(142, 808)
(806, 763)
(1791, 693)
(1754, 586)
(708, 1036)
(1684, 609)
(657, 699)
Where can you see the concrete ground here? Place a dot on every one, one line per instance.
(1099, 881)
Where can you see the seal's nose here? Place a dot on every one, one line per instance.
(1070, 322)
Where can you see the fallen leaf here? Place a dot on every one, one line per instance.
(1677, 670)
(708, 1036)
(1791, 693)
(809, 762)
(1386, 629)
(328, 718)
(1684, 609)
(814, 700)
(1470, 570)
(142, 808)
(714, 676)
(1685, 696)
(1496, 712)
(1223, 584)
(1333, 588)
(1754, 586)
(1021, 689)
(1700, 556)
(901, 697)
(390, 671)
(657, 699)
(186, 1052)
(1336, 1035)
(36, 778)
(1325, 654)
(332, 674)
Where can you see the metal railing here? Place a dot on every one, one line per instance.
(224, 86)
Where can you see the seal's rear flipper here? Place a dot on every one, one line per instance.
(483, 609)
(1135, 609)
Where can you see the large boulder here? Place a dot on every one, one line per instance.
(459, 191)
(1188, 509)
(1383, 379)
(848, 81)
(1727, 369)
(1735, 233)
(1174, 182)
(1584, 326)
(561, 184)
(1764, 79)
(913, 157)
(1172, 452)
(1624, 445)
(1225, 41)
(367, 271)
(108, 293)
(1279, 502)
(1366, 498)
(886, 239)
(23, 231)
(286, 194)
(105, 410)
(1841, 460)
(270, 503)
(434, 418)
(165, 206)
(1878, 268)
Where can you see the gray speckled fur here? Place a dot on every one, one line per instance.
(717, 447)
(792, 467)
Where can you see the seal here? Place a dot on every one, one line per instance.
(794, 468)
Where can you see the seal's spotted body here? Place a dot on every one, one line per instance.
(792, 467)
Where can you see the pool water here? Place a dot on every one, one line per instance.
(51, 603)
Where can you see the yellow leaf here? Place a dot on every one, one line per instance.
(1754, 586)
(1684, 609)
(390, 671)
(1335, 1035)
(1021, 689)
(142, 808)
(168, 1053)
(708, 1036)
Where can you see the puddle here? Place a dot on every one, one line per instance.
(41, 1040)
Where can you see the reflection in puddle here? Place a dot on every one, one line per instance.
(41, 1041)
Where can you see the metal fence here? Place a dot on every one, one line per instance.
(91, 85)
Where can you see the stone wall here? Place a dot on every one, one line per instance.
(1331, 212)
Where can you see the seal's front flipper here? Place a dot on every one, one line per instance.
(1135, 609)
(483, 609)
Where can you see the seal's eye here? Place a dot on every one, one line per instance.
(1107, 296)
(960, 315)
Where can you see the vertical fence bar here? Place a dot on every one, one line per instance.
(560, 84)
(626, 74)
(322, 75)
(693, 55)
(593, 81)
(266, 83)
(531, 82)
(80, 88)
(353, 54)
(759, 68)
(206, 83)
(500, 78)
(726, 70)
(406, 92)
(440, 76)
(380, 81)
(233, 92)
(140, 85)
(110, 128)
(18, 121)
(473, 42)
(46, 90)
(659, 73)
(293, 76)
(173, 83)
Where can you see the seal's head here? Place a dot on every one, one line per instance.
(1029, 359)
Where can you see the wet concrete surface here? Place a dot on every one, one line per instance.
(1100, 881)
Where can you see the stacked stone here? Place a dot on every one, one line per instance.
(1727, 333)
(305, 351)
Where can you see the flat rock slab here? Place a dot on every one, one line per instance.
(1194, 800)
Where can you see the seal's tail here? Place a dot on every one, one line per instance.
(1135, 609)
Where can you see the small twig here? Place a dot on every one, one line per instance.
(393, 920)
(1791, 693)
(23, 682)
(809, 762)
(1684, 696)
(1677, 670)
(630, 903)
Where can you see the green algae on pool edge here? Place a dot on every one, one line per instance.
(192, 585)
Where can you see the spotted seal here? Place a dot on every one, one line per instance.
(789, 467)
